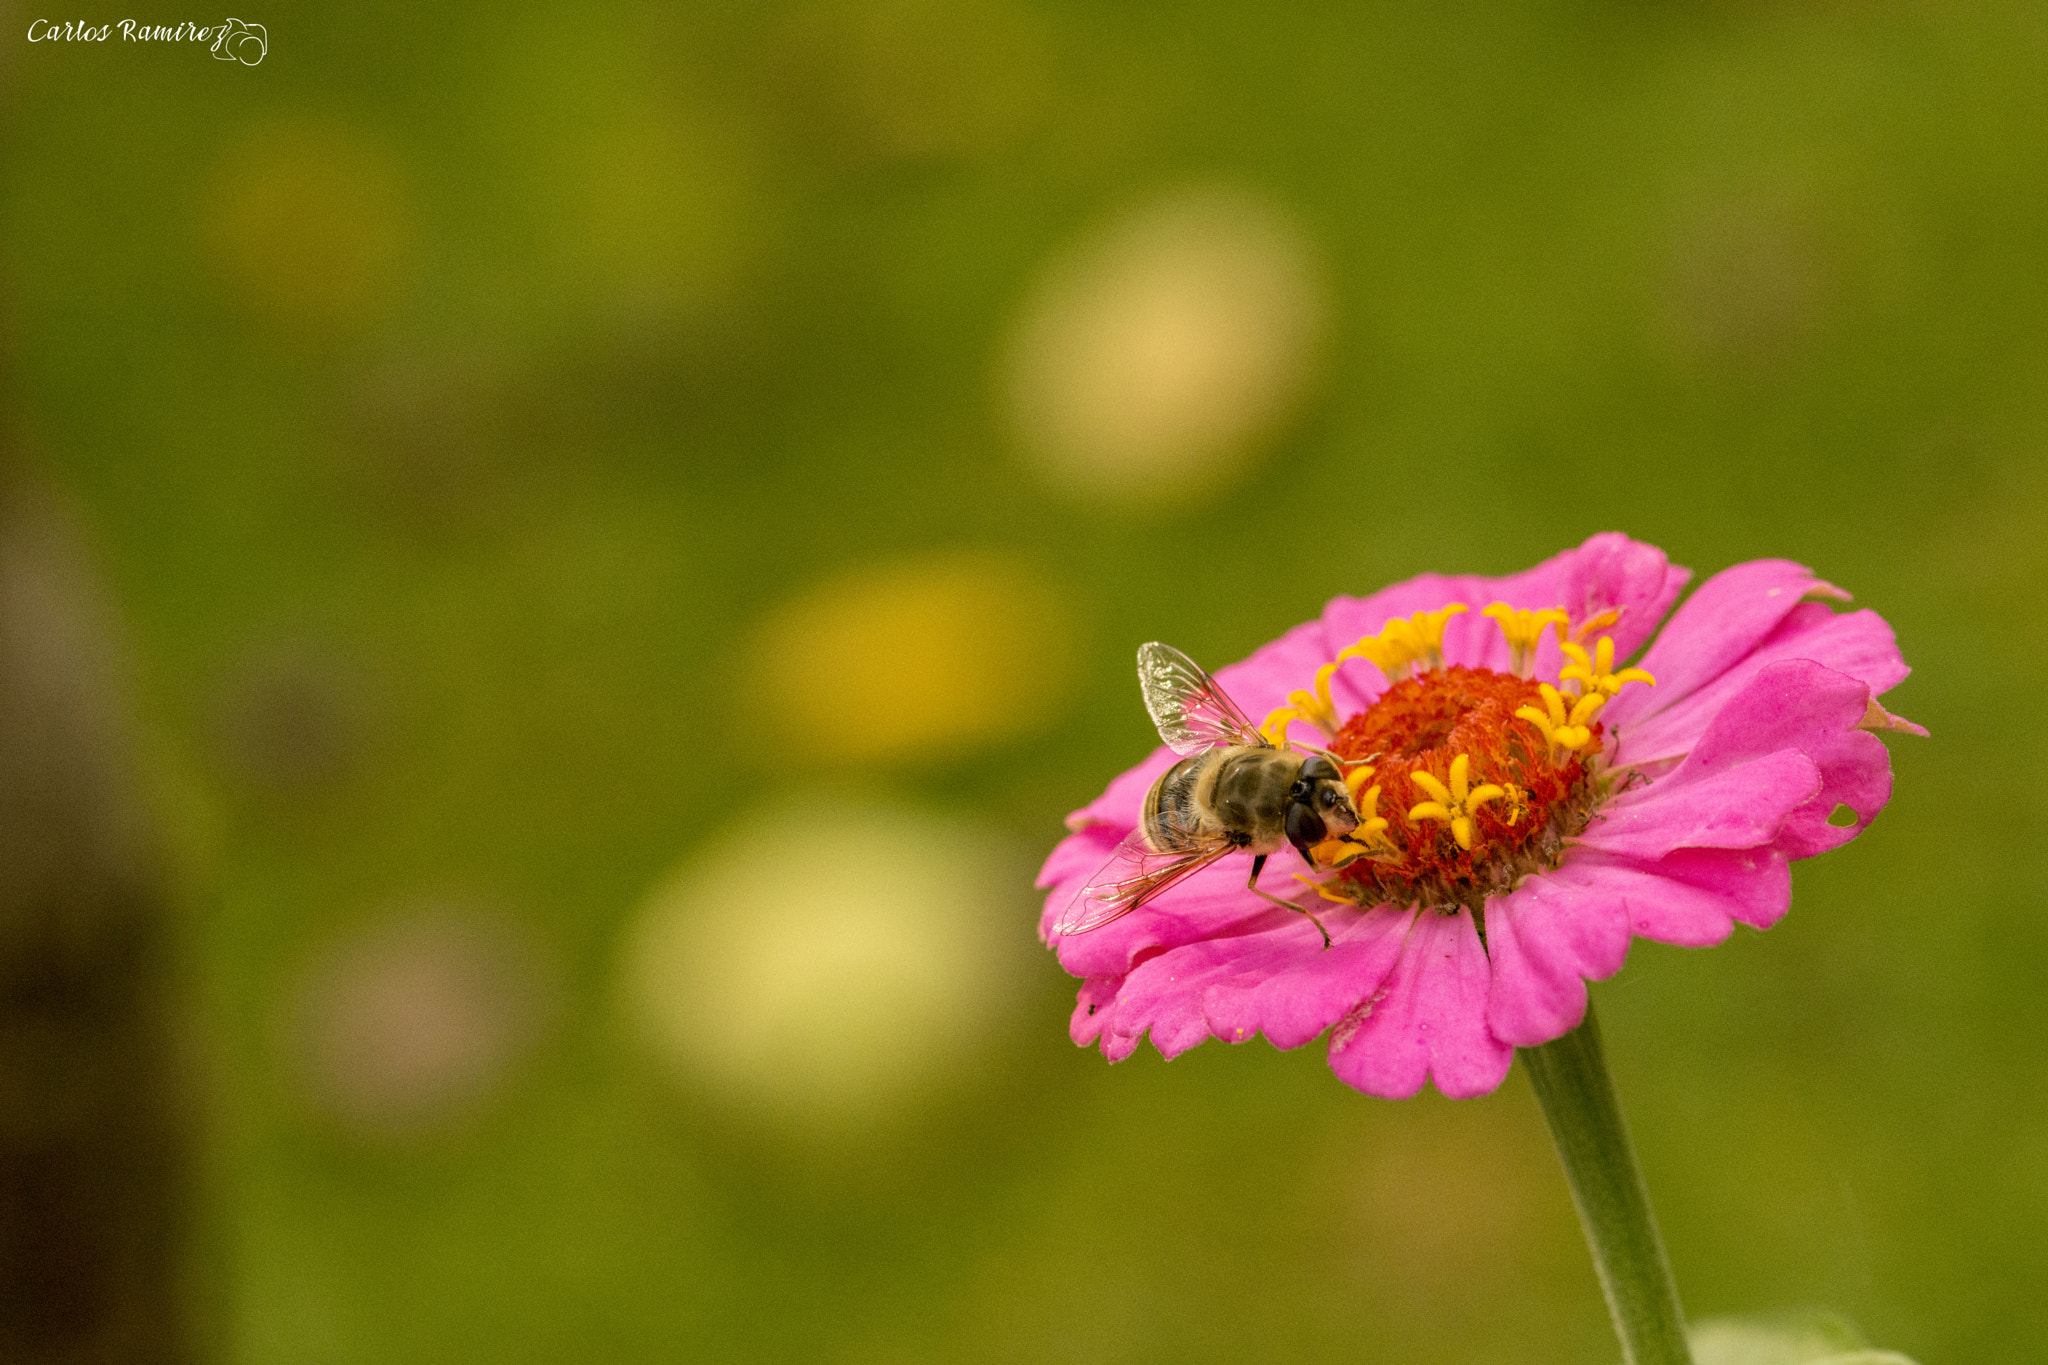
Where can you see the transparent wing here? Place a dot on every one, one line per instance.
(1133, 875)
(1191, 711)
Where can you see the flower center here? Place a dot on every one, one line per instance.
(1466, 779)
(1513, 797)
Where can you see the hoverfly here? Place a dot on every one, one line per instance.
(1232, 790)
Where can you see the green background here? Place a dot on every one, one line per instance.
(1741, 280)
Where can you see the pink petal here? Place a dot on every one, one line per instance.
(1653, 725)
(1803, 705)
(1546, 939)
(1168, 993)
(1093, 1009)
(1078, 855)
(1428, 1021)
(1209, 904)
(1732, 613)
(1290, 991)
(1691, 897)
(1737, 808)
(1563, 928)
(1610, 571)
(1262, 682)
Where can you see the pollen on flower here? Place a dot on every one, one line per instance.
(1472, 792)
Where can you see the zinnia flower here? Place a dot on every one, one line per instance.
(1527, 807)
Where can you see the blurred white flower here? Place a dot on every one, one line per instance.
(825, 962)
(1153, 358)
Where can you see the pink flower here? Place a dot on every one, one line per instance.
(1542, 805)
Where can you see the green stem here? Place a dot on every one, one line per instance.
(1578, 1102)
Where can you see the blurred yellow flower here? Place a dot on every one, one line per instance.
(930, 658)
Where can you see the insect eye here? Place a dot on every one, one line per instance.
(1304, 827)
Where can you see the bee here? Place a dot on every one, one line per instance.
(1232, 791)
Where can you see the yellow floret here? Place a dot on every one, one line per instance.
(1594, 672)
(1524, 631)
(1563, 729)
(1454, 805)
(1405, 642)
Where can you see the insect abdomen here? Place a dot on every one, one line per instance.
(1172, 816)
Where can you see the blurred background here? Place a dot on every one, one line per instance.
(559, 569)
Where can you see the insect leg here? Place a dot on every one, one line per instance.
(1252, 884)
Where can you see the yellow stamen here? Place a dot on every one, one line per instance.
(1524, 631)
(1355, 779)
(1372, 827)
(1429, 631)
(1335, 853)
(1384, 651)
(1456, 804)
(1274, 726)
(1403, 643)
(1594, 672)
(1316, 708)
(1563, 729)
(1598, 621)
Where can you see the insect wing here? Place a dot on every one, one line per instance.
(1191, 711)
(1133, 875)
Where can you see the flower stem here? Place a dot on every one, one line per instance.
(1570, 1077)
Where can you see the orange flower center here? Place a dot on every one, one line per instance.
(1413, 736)
(1483, 775)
